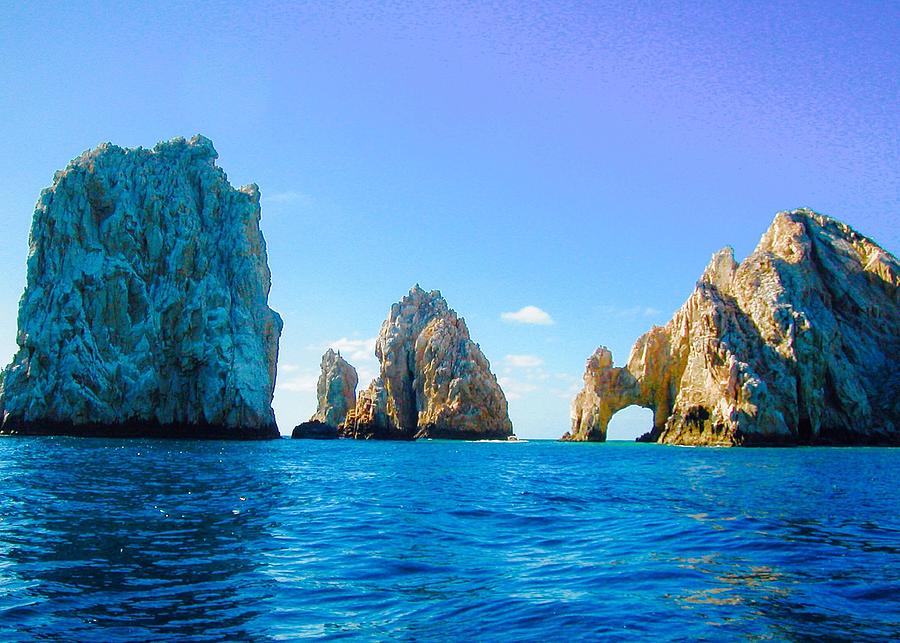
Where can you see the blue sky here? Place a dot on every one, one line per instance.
(585, 159)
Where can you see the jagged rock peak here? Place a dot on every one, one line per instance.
(335, 390)
(720, 270)
(797, 344)
(145, 309)
(434, 380)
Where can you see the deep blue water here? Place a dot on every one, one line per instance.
(137, 540)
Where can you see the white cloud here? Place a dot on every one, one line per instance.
(524, 361)
(571, 385)
(288, 368)
(533, 381)
(365, 375)
(515, 389)
(355, 350)
(360, 353)
(300, 383)
(528, 315)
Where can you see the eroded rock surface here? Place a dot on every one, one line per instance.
(434, 381)
(797, 344)
(145, 310)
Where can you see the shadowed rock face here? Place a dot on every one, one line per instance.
(145, 309)
(315, 430)
(434, 381)
(795, 345)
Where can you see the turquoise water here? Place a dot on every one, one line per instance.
(136, 540)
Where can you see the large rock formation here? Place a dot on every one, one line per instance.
(336, 393)
(145, 309)
(434, 382)
(798, 344)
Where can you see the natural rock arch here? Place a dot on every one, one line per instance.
(608, 389)
(794, 345)
(630, 423)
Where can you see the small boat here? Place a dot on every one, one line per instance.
(509, 439)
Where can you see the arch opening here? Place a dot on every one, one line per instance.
(629, 423)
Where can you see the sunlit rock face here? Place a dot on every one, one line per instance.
(145, 309)
(797, 344)
(336, 395)
(434, 382)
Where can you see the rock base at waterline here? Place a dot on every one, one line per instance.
(314, 430)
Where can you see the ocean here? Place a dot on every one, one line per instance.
(134, 540)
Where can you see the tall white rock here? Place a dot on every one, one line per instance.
(336, 396)
(145, 310)
(336, 390)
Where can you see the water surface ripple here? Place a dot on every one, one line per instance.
(138, 540)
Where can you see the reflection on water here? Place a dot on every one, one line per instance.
(137, 540)
(732, 583)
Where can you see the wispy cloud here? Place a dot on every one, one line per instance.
(360, 353)
(568, 385)
(525, 377)
(355, 350)
(365, 374)
(299, 383)
(515, 389)
(528, 315)
(631, 312)
(523, 361)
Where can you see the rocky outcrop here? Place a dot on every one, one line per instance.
(457, 396)
(797, 344)
(336, 394)
(335, 390)
(315, 430)
(434, 382)
(145, 309)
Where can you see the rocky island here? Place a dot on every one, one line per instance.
(797, 344)
(145, 309)
(434, 380)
